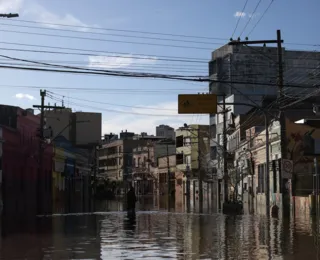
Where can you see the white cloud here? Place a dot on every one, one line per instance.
(124, 61)
(24, 96)
(240, 14)
(136, 123)
(11, 6)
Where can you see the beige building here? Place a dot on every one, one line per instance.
(80, 128)
(145, 162)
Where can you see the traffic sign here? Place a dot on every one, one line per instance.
(197, 104)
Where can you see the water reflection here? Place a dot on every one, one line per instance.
(111, 233)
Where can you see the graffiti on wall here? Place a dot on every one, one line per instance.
(297, 145)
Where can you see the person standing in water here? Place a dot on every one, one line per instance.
(131, 200)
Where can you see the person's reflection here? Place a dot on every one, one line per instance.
(129, 224)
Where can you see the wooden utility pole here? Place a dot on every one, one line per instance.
(225, 152)
(40, 174)
(200, 172)
(169, 177)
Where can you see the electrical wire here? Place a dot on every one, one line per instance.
(240, 16)
(255, 9)
(261, 17)
(113, 104)
(117, 30)
(105, 34)
(105, 40)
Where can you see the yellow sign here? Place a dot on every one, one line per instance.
(197, 104)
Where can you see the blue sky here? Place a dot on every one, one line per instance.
(298, 21)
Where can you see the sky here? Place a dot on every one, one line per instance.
(107, 34)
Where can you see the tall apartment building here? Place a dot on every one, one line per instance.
(236, 64)
(165, 131)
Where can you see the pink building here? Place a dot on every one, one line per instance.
(23, 189)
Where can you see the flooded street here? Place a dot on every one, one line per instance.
(109, 233)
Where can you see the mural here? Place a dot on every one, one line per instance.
(300, 149)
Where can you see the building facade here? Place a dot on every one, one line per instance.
(145, 162)
(74, 126)
(24, 188)
(244, 67)
(165, 131)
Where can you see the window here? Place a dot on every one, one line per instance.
(179, 141)
(213, 152)
(134, 162)
(261, 178)
(139, 162)
(179, 158)
(187, 141)
(275, 181)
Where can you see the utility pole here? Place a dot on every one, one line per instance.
(169, 179)
(40, 176)
(200, 172)
(279, 42)
(225, 152)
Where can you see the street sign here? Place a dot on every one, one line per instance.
(197, 104)
(287, 168)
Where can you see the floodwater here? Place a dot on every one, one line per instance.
(109, 233)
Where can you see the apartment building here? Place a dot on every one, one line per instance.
(253, 65)
(192, 149)
(74, 126)
(116, 154)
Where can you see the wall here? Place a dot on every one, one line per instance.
(59, 121)
(83, 136)
(303, 164)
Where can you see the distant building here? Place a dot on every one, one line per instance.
(116, 154)
(165, 131)
(145, 163)
(80, 128)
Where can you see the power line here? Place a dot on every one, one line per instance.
(255, 9)
(105, 34)
(113, 104)
(119, 30)
(124, 55)
(112, 110)
(240, 16)
(264, 13)
(114, 41)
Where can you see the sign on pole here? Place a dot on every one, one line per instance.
(287, 168)
(197, 104)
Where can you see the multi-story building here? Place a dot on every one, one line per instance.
(74, 126)
(193, 153)
(116, 154)
(243, 68)
(145, 162)
(165, 131)
(20, 181)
